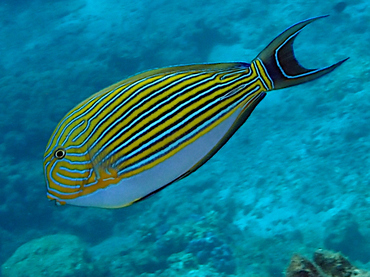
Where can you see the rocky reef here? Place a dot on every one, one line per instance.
(55, 255)
(195, 252)
(325, 263)
(196, 249)
(211, 249)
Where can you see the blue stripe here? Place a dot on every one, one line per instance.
(162, 118)
(184, 138)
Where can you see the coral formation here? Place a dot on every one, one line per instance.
(192, 250)
(334, 264)
(326, 263)
(211, 248)
(55, 255)
(301, 267)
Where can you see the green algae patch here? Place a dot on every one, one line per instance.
(55, 255)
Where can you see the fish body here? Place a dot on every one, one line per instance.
(142, 134)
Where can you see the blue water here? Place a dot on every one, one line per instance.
(293, 179)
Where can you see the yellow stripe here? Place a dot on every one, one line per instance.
(164, 125)
(177, 136)
(161, 128)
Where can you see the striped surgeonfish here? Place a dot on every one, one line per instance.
(144, 133)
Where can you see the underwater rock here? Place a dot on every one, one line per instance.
(327, 263)
(301, 267)
(334, 264)
(55, 255)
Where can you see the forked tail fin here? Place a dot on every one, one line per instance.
(280, 63)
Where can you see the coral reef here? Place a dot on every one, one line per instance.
(326, 263)
(302, 267)
(334, 264)
(197, 244)
(211, 249)
(55, 255)
(192, 250)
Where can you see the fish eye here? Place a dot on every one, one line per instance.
(60, 153)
